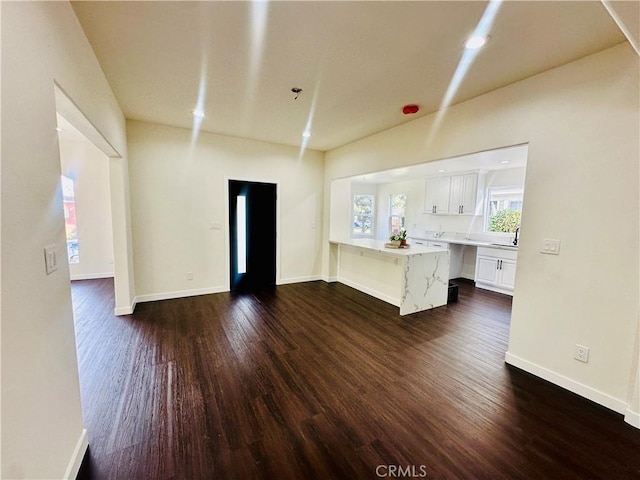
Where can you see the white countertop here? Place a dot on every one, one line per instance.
(378, 245)
(474, 243)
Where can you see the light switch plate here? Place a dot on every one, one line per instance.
(50, 260)
(550, 246)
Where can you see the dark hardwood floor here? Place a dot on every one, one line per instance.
(319, 381)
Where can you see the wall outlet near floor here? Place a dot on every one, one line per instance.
(581, 353)
(189, 275)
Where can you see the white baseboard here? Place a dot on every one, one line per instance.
(91, 276)
(632, 418)
(369, 291)
(126, 310)
(567, 383)
(310, 278)
(329, 279)
(78, 454)
(179, 294)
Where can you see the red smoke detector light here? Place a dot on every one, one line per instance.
(410, 109)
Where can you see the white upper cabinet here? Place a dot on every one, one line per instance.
(463, 199)
(454, 195)
(437, 194)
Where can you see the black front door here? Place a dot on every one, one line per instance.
(252, 234)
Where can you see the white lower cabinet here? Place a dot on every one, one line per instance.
(496, 269)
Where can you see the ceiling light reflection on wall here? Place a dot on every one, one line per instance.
(475, 42)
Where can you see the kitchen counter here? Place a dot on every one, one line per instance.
(413, 279)
(473, 243)
(378, 246)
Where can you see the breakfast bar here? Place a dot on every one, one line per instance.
(413, 279)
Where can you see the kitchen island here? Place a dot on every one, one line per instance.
(413, 279)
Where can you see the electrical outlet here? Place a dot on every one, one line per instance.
(189, 275)
(581, 353)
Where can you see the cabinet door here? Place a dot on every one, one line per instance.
(436, 195)
(455, 199)
(468, 194)
(487, 270)
(508, 274)
(464, 189)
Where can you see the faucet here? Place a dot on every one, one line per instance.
(438, 234)
(515, 240)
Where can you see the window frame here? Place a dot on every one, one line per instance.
(371, 215)
(391, 215)
(487, 210)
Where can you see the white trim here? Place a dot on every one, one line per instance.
(632, 418)
(310, 278)
(152, 297)
(78, 455)
(126, 310)
(369, 291)
(329, 279)
(91, 276)
(567, 383)
(491, 288)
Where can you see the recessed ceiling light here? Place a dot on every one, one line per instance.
(504, 162)
(198, 113)
(58, 129)
(306, 134)
(441, 170)
(475, 42)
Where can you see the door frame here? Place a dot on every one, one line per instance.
(227, 236)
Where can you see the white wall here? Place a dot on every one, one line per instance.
(581, 123)
(179, 192)
(42, 433)
(89, 168)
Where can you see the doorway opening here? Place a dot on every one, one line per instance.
(87, 204)
(252, 235)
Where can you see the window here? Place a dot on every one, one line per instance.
(504, 208)
(397, 207)
(363, 214)
(70, 225)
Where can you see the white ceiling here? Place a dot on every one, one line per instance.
(357, 62)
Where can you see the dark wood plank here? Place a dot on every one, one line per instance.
(318, 380)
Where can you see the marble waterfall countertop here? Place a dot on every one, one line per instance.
(378, 245)
(414, 278)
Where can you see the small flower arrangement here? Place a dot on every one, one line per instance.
(400, 237)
